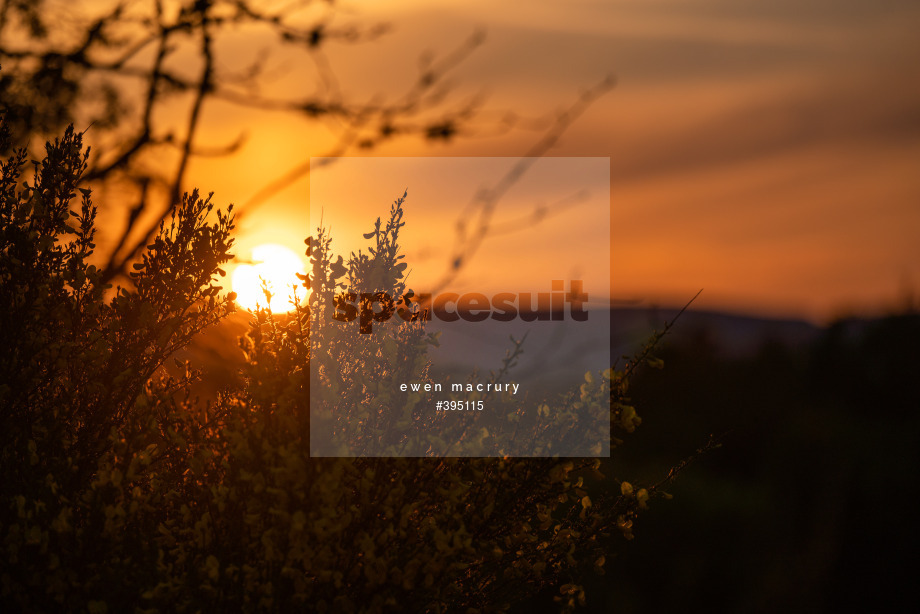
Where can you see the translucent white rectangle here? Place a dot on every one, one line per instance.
(510, 250)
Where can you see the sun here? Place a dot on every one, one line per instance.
(278, 267)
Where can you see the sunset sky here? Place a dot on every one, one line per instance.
(765, 151)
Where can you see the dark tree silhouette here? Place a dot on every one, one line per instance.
(123, 492)
(143, 75)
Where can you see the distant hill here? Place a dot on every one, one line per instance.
(733, 334)
(552, 354)
(557, 352)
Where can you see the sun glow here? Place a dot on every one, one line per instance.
(278, 267)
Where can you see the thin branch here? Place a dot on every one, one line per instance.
(483, 205)
(656, 337)
(116, 264)
(713, 443)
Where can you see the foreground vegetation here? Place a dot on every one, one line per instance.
(121, 491)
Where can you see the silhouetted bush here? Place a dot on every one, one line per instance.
(122, 492)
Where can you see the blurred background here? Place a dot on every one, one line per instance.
(764, 151)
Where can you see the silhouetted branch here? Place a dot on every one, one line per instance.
(49, 81)
(480, 210)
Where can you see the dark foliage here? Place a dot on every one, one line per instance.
(123, 492)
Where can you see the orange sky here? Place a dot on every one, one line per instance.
(765, 151)
(519, 253)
